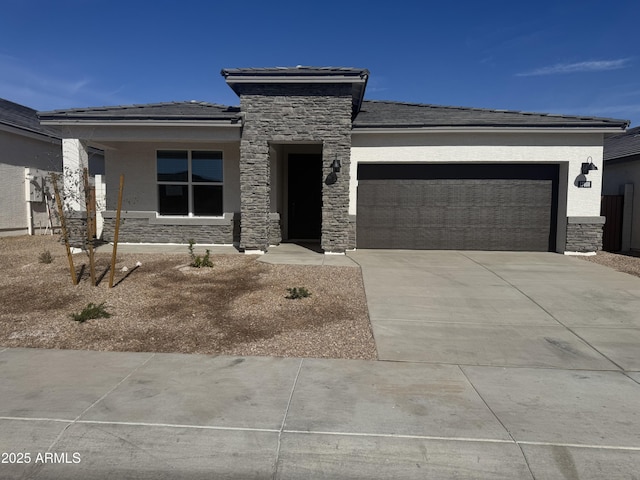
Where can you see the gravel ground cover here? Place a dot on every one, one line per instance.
(627, 262)
(237, 307)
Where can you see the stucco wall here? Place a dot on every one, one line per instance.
(616, 175)
(569, 149)
(30, 151)
(17, 152)
(137, 161)
(13, 213)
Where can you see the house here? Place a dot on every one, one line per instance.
(28, 151)
(304, 156)
(621, 176)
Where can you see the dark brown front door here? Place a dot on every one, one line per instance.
(305, 196)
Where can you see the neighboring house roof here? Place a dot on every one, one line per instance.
(23, 118)
(624, 145)
(386, 114)
(171, 111)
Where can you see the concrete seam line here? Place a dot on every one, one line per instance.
(37, 419)
(626, 374)
(524, 457)
(284, 420)
(177, 425)
(339, 434)
(57, 439)
(143, 424)
(401, 436)
(584, 341)
(578, 445)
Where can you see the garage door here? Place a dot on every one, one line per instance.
(460, 207)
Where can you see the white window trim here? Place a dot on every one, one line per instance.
(189, 183)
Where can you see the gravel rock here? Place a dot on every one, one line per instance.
(161, 304)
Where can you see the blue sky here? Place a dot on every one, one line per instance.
(571, 57)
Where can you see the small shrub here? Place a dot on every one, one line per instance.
(45, 257)
(90, 312)
(296, 293)
(196, 260)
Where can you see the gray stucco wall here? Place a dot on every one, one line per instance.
(294, 114)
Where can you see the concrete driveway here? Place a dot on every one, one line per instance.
(504, 309)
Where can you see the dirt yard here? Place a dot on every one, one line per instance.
(238, 307)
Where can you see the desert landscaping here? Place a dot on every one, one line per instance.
(237, 307)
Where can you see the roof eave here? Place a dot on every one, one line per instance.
(487, 128)
(172, 122)
(28, 131)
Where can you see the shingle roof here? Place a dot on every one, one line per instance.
(385, 114)
(373, 114)
(24, 118)
(623, 145)
(177, 111)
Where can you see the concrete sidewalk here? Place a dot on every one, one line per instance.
(157, 416)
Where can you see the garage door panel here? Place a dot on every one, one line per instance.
(457, 239)
(450, 213)
(452, 217)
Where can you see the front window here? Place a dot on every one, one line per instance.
(189, 183)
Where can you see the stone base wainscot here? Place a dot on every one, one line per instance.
(584, 234)
(147, 227)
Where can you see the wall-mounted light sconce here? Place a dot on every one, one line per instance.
(588, 166)
(335, 166)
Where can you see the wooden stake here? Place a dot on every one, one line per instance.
(116, 232)
(63, 225)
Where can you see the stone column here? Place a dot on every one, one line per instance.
(335, 199)
(255, 192)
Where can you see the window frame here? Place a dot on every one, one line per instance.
(189, 183)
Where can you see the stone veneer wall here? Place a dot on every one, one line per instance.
(77, 229)
(275, 230)
(584, 234)
(352, 231)
(146, 230)
(294, 113)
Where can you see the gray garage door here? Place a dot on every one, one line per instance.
(461, 207)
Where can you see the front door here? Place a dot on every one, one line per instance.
(305, 196)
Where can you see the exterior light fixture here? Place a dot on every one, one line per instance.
(335, 166)
(588, 166)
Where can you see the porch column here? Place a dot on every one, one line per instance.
(255, 192)
(75, 158)
(336, 225)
